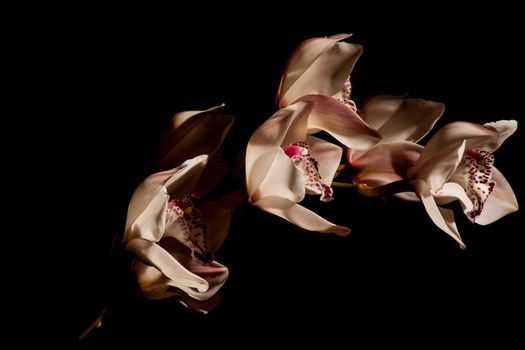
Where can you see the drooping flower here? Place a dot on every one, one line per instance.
(319, 66)
(401, 122)
(458, 164)
(173, 234)
(284, 162)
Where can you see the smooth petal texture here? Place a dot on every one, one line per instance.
(401, 119)
(299, 215)
(341, 122)
(443, 218)
(328, 157)
(318, 66)
(452, 191)
(147, 209)
(285, 126)
(501, 201)
(384, 163)
(437, 170)
(454, 134)
(193, 133)
(502, 128)
(157, 256)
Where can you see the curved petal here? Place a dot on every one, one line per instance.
(384, 163)
(437, 170)
(318, 66)
(401, 119)
(454, 134)
(341, 122)
(502, 128)
(443, 218)
(285, 126)
(501, 201)
(299, 215)
(147, 209)
(327, 155)
(452, 191)
(193, 133)
(158, 257)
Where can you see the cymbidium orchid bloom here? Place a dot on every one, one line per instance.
(401, 122)
(319, 66)
(173, 234)
(284, 162)
(458, 164)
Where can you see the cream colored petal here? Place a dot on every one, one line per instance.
(327, 155)
(502, 128)
(452, 191)
(437, 170)
(341, 122)
(285, 126)
(147, 209)
(454, 134)
(502, 201)
(299, 215)
(443, 218)
(303, 57)
(193, 133)
(326, 75)
(157, 256)
(401, 119)
(384, 162)
(283, 179)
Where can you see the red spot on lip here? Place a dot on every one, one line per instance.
(473, 153)
(293, 150)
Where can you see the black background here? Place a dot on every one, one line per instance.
(395, 277)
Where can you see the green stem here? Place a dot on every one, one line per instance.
(343, 185)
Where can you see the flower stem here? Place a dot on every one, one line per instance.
(343, 185)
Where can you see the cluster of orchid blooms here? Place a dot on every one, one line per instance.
(172, 230)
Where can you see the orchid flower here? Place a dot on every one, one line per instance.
(458, 164)
(319, 66)
(401, 122)
(173, 234)
(284, 162)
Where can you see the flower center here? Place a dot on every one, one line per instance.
(185, 221)
(300, 156)
(474, 174)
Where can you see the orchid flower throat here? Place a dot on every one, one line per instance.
(185, 220)
(344, 95)
(475, 175)
(300, 155)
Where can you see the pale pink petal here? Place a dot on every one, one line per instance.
(299, 215)
(401, 119)
(282, 179)
(193, 133)
(452, 191)
(454, 134)
(408, 196)
(318, 66)
(384, 163)
(437, 170)
(286, 126)
(501, 201)
(157, 256)
(327, 155)
(217, 215)
(443, 218)
(147, 210)
(503, 129)
(341, 122)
